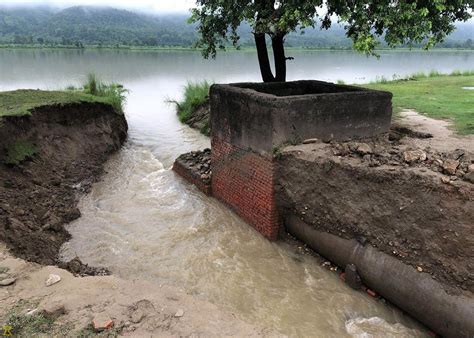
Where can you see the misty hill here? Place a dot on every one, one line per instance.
(83, 25)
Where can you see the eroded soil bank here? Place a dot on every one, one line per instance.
(405, 196)
(39, 195)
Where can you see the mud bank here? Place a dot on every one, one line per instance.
(400, 208)
(39, 194)
(418, 209)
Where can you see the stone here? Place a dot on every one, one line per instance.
(54, 310)
(179, 313)
(7, 282)
(450, 166)
(469, 177)
(311, 141)
(53, 279)
(470, 168)
(32, 312)
(412, 156)
(364, 149)
(102, 322)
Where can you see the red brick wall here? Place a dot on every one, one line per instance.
(244, 180)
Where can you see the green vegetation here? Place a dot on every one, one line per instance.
(195, 95)
(84, 26)
(23, 102)
(436, 95)
(19, 152)
(114, 93)
(366, 23)
(24, 325)
(40, 325)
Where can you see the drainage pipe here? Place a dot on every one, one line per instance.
(416, 293)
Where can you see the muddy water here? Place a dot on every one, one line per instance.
(144, 222)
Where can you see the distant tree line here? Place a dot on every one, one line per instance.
(85, 26)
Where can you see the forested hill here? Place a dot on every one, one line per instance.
(104, 26)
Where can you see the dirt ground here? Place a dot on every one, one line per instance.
(136, 308)
(411, 196)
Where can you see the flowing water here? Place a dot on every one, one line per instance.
(144, 222)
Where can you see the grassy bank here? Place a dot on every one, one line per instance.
(193, 108)
(435, 95)
(21, 102)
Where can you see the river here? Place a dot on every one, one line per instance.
(144, 222)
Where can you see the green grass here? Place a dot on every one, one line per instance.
(23, 102)
(114, 93)
(436, 95)
(195, 95)
(19, 152)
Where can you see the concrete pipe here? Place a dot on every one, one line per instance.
(416, 293)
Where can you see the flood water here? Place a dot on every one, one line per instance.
(144, 222)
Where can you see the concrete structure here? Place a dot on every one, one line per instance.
(250, 121)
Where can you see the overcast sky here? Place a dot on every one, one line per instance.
(152, 5)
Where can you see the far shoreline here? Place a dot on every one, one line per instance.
(230, 49)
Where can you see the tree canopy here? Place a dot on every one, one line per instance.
(365, 21)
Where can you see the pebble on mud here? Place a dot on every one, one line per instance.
(469, 177)
(310, 141)
(102, 322)
(54, 310)
(53, 279)
(450, 166)
(412, 156)
(7, 282)
(179, 313)
(364, 149)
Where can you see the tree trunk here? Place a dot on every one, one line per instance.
(279, 56)
(263, 59)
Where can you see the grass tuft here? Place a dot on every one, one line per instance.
(19, 152)
(113, 92)
(195, 95)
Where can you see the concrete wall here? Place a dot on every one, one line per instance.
(250, 121)
(262, 117)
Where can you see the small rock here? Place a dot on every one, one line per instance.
(7, 282)
(412, 156)
(310, 141)
(179, 313)
(54, 310)
(53, 279)
(450, 166)
(445, 180)
(102, 322)
(469, 177)
(31, 312)
(470, 168)
(419, 268)
(364, 149)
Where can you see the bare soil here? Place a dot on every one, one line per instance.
(410, 195)
(40, 195)
(136, 308)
